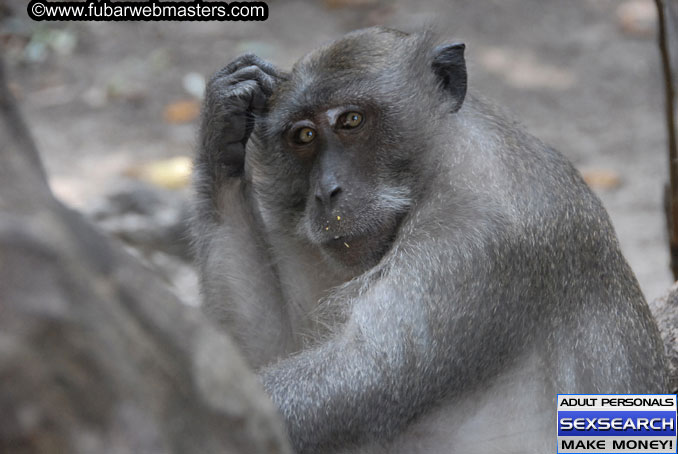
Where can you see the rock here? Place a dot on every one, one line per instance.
(147, 217)
(96, 354)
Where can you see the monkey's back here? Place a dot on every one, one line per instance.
(602, 337)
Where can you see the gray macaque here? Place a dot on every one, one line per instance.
(408, 271)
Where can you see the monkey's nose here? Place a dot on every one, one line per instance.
(327, 194)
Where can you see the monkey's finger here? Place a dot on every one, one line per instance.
(265, 81)
(266, 67)
(235, 111)
(226, 109)
(258, 102)
(237, 85)
(223, 140)
(232, 156)
(250, 60)
(233, 127)
(230, 96)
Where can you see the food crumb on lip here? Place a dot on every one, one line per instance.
(338, 218)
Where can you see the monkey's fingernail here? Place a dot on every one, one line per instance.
(346, 244)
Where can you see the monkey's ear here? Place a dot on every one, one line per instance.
(450, 67)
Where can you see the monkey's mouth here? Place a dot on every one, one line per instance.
(363, 249)
(343, 242)
(350, 250)
(345, 239)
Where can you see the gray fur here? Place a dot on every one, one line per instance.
(488, 277)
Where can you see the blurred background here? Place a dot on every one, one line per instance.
(113, 106)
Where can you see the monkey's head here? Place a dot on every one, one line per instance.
(339, 158)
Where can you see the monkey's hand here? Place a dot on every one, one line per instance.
(234, 97)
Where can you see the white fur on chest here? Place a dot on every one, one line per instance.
(305, 278)
(515, 414)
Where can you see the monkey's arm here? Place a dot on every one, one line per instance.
(409, 342)
(240, 287)
(239, 283)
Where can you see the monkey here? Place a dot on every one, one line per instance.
(407, 270)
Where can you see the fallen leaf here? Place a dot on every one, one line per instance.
(173, 173)
(601, 178)
(182, 111)
(637, 17)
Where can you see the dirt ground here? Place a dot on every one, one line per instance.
(583, 75)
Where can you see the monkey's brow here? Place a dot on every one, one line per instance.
(276, 128)
(336, 101)
(293, 117)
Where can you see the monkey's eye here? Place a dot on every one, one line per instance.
(350, 120)
(304, 135)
